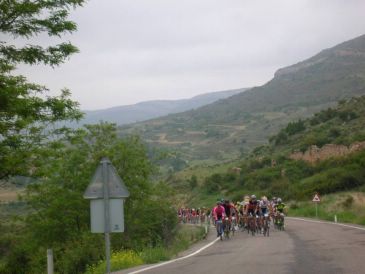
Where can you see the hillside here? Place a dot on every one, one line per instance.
(272, 170)
(151, 109)
(342, 127)
(231, 127)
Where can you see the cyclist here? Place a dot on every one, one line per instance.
(279, 208)
(208, 212)
(229, 208)
(218, 214)
(273, 203)
(251, 211)
(230, 212)
(252, 206)
(264, 209)
(264, 204)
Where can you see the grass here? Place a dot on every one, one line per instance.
(186, 235)
(349, 207)
(119, 260)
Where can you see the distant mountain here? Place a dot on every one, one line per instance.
(235, 125)
(151, 109)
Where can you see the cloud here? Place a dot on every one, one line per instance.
(136, 50)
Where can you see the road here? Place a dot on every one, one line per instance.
(304, 247)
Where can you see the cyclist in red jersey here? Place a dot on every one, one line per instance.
(252, 206)
(218, 214)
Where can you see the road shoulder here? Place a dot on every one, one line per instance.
(210, 237)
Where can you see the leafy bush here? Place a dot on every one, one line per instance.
(295, 127)
(212, 183)
(118, 260)
(333, 180)
(193, 182)
(122, 259)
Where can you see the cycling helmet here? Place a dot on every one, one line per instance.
(279, 200)
(253, 196)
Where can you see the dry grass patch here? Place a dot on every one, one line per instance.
(8, 195)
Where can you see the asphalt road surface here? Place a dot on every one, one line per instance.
(304, 247)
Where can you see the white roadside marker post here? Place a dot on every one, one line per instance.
(49, 261)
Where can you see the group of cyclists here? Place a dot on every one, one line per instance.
(251, 214)
(194, 216)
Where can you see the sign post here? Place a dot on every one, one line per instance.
(106, 193)
(316, 200)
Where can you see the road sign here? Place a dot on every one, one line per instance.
(106, 193)
(316, 198)
(115, 184)
(116, 216)
(116, 192)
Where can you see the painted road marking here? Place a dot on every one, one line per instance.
(324, 222)
(175, 260)
(213, 242)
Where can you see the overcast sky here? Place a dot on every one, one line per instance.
(139, 50)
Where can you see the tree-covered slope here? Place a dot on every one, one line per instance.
(337, 164)
(233, 126)
(342, 125)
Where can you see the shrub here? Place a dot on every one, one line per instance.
(295, 127)
(212, 183)
(119, 260)
(348, 202)
(193, 182)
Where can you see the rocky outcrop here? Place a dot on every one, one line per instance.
(297, 67)
(315, 154)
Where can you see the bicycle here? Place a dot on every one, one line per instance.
(219, 227)
(258, 224)
(280, 221)
(244, 222)
(251, 225)
(266, 225)
(234, 225)
(226, 227)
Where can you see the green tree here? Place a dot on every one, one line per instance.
(59, 216)
(295, 127)
(26, 112)
(193, 181)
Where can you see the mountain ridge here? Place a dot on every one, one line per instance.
(241, 122)
(146, 110)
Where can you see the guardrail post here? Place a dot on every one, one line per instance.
(335, 218)
(49, 261)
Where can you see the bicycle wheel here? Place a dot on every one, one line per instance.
(253, 227)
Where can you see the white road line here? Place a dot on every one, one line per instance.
(175, 260)
(324, 222)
